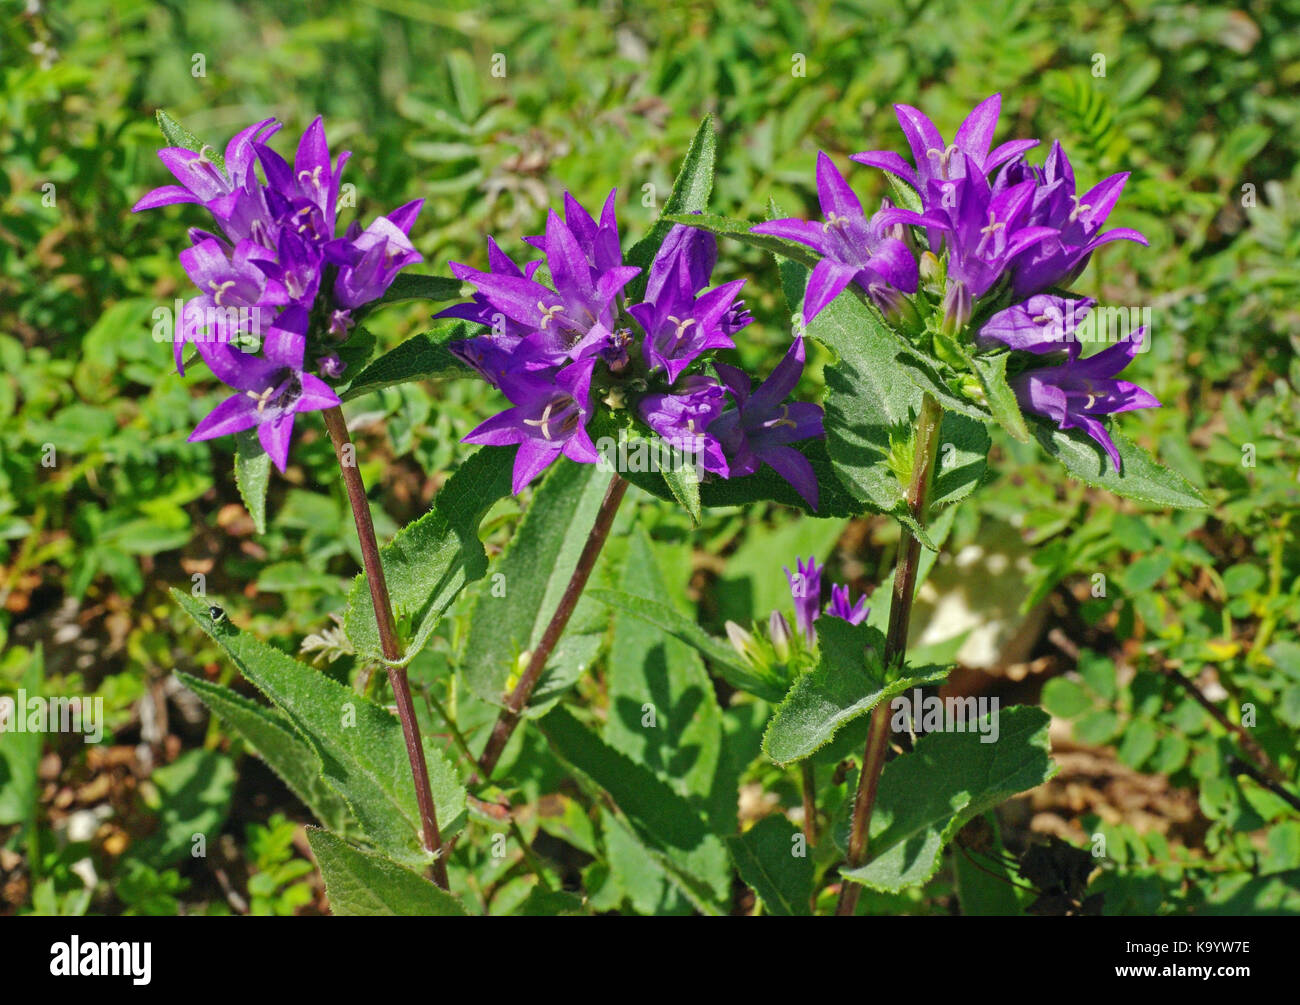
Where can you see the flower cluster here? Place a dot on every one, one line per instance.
(775, 652)
(806, 589)
(1002, 236)
(558, 349)
(278, 288)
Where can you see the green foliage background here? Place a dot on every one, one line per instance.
(1199, 103)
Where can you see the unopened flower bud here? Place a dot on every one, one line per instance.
(742, 641)
(932, 273)
(331, 366)
(896, 308)
(956, 308)
(340, 322)
(779, 630)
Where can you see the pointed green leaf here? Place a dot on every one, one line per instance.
(665, 822)
(690, 194)
(270, 732)
(1005, 409)
(252, 475)
(926, 796)
(848, 682)
(534, 572)
(765, 856)
(684, 483)
(359, 882)
(1143, 477)
(415, 286)
(20, 754)
(178, 136)
(430, 560)
(359, 743)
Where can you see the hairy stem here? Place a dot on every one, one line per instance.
(900, 619)
(388, 642)
(518, 699)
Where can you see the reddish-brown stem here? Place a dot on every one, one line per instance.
(518, 699)
(388, 641)
(900, 619)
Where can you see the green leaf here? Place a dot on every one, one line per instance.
(178, 136)
(360, 744)
(20, 754)
(926, 796)
(252, 475)
(414, 286)
(725, 659)
(848, 682)
(534, 571)
(985, 885)
(1143, 477)
(360, 882)
(870, 394)
(270, 732)
(422, 357)
(665, 822)
(431, 560)
(1066, 698)
(992, 372)
(690, 195)
(465, 84)
(646, 666)
(195, 790)
(765, 858)
(684, 483)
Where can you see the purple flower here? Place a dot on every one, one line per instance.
(598, 241)
(272, 388)
(759, 429)
(840, 607)
(806, 590)
(278, 242)
(234, 289)
(1042, 324)
(1075, 393)
(572, 320)
(1076, 222)
(936, 161)
(479, 310)
(200, 179)
(548, 418)
(982, 227)
(680, 324)
(683, 419)
(375, 256)
(853, 248)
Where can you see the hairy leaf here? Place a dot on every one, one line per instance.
(360, 744)
(359, 882)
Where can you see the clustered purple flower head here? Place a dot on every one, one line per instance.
(559, 350)
(1000, 231)
(275, 257)
(806, 589)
